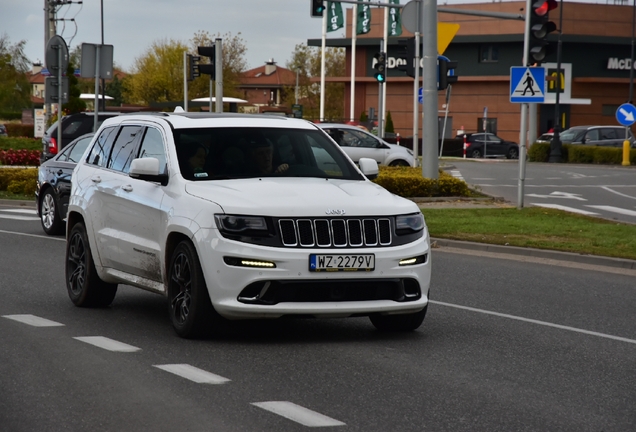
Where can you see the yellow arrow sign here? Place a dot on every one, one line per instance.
(445, 34)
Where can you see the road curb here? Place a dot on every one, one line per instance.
(537, 253)
(17, 203)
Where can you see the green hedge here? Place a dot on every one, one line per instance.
(540, 152)
(408, 182)
(19, 180)
(10, 116)
(8, 143)
(19, 130)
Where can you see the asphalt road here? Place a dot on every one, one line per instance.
(596, 190)
(511, 343)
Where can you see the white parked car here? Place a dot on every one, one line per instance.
(236, 216)
(358, 143)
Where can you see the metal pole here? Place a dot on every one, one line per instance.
(297, 71)
(631, 69)
(97, 66)
(218, 70)
(430, 163)
(555, 146)
(381, 130)
(523, 127)
(448, 93)
(185, 81)
(322, 66)
(416, 84)
(380, 99)
(354, 38)
(60, 86)
(103, 80)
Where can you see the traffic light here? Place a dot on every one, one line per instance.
(317, 8)
(407, 54)
(444, 68)
(208, 69)
(193, 67)
(540, 27)
(380, 67)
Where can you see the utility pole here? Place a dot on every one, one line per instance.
(430, 163)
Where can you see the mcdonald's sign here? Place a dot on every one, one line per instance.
(553, 80)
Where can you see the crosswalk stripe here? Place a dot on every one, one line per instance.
(566, 208)
(23, 218)
(23, 211)
(193, 373)
(33, 320)
(107, 344)
(614, 209)
(298, 414)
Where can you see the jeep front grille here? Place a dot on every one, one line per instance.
(335, 232)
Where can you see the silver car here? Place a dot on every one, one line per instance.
(358, 143)
(606, 136)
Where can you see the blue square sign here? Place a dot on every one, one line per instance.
(527, 84)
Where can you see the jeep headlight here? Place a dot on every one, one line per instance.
(409, 223)
(238, 224)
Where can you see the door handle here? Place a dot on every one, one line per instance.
(60, 172)
(96, 179)
(127, 188)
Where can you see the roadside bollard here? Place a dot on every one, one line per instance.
(465, 146)
(626, 151)
(398, 138)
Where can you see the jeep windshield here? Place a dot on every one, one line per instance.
(251, 152)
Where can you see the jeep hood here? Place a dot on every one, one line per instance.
(301, 197)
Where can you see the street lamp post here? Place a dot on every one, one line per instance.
(556, 146)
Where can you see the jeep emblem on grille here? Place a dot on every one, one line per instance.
(335, 212)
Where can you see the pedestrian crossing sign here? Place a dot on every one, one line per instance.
(527, 84)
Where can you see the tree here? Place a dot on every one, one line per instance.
(389, 123)
(157, 75)
(234, 63)
(15, 89)
(74, 104)
(307, 61)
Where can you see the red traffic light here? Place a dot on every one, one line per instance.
(542, 7)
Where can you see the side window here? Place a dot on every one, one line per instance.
(102, 147)
(493, 138)
(152, 146)
(608, 134)
(124, 148)
(592, 135)
(72, 127)
(64, 154)
(366, 140)
(78, 149)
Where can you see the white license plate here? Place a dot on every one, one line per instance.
(344, 262)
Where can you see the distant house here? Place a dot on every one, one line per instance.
(37, 85)
(263, 88)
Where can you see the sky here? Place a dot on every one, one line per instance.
(270, 28)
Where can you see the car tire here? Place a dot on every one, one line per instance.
(399, 163)
(52, 222)
(513, 153)
(190, 308)
(475, 153)
(399, 323)
(84, 286)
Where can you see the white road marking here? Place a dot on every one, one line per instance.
(565, 195)
(107, 344)
(565, 208)
(23, 211)
(193, 374)
(33, 320)
(543, 323)
(617, 193)
(484, 179)
(614, 209)
(23, 218)
(33, 235)
(457, 174)
(298, 414)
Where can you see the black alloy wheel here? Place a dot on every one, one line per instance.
(190, 308)
(513, 153)
(84, 286)
(475, 153)
(399, 323)
(52, 222)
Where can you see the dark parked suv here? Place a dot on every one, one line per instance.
(73, 126)
(481, 144)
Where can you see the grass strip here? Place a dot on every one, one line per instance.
(534, 227)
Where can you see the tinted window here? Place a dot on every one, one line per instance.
(102, 147)
(64, 154)
(78, 149)
(124, 148)
(152, 146)
(592, 135)
(73, 127)
(608, 134)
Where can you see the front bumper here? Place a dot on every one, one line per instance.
(303, 292)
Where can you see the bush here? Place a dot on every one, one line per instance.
(408, 182)
(19, 130)
(18, 180)
(11, 115)
(20, 143)
(20, 157)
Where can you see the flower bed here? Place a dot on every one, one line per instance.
(20, 157)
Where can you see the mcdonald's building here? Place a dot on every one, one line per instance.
(594, 79)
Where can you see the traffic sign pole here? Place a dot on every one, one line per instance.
(626, 116)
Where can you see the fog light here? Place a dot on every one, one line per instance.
(413, 261)
(244, 262)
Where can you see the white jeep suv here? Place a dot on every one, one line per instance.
(241, 216)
